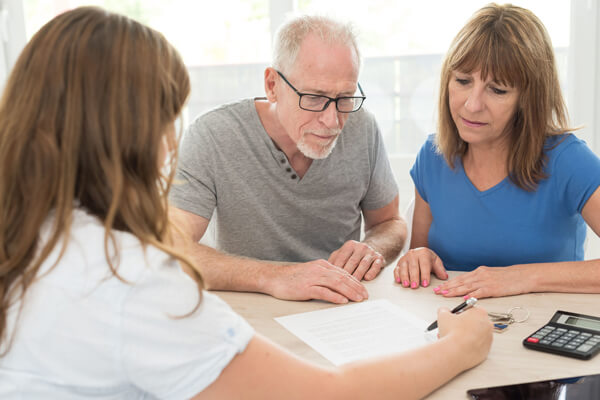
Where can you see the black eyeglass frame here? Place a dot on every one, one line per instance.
(335, 100)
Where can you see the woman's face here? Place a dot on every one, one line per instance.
(481, 109)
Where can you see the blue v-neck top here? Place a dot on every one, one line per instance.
(506, 225)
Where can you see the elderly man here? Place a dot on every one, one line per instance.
(291, 176)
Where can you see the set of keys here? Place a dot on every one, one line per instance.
(502, 321)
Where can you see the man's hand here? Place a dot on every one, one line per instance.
(358, 259)
(316, 280)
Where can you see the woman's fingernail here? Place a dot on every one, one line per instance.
(405, 283)
(436, 289)
(466, 296)
(425, 283)
(413, 285)
(444, 291)
(397, 280)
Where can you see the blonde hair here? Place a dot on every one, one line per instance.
(82, 119)
(290, 35)
(511, 45)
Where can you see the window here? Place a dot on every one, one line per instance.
(227, 45)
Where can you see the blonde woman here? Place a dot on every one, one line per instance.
(93, 301)
(503, 183)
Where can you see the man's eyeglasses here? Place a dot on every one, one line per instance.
(318, 103)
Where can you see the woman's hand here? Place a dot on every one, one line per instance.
(487, 282)
(415, 268)
(470, 330)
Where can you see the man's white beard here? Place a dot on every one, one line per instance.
(315, 151)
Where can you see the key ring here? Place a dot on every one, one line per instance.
(522, 319)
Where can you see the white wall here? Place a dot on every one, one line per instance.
(12, 36)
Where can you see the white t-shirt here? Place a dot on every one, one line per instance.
(85, 333)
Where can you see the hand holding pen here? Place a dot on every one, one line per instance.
(469, 332)
(470, 302)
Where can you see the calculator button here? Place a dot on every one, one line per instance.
(561, 330)
(574, 332)
(561, 341)
(533, 339)
(597, 337)
(584, 347)
(557, 344)
(585, 334)
(550, 328)
(538, 336)
(570, 347)
(545, 341)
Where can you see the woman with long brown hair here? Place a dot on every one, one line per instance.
(503, 183)
(93, 301)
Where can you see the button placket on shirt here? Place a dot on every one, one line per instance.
(288, 169)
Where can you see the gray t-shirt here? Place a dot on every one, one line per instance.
(229, 163)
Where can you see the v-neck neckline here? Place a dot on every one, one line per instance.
(478, 192)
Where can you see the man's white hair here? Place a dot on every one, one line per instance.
(291, 34)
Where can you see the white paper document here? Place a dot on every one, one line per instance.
(358, 331)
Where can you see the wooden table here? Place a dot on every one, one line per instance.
(508, 362)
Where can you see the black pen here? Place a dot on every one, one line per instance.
(470, 302)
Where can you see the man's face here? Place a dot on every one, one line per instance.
(324, 69)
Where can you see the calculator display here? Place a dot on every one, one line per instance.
(583, 323)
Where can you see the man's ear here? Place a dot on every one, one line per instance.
(271, 81)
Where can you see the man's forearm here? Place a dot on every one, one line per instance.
(387, 238)
(222, 271)
(291, 281)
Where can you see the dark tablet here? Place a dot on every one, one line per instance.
(575, 388)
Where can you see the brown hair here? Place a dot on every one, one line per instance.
(511, 45)
(82, 119)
